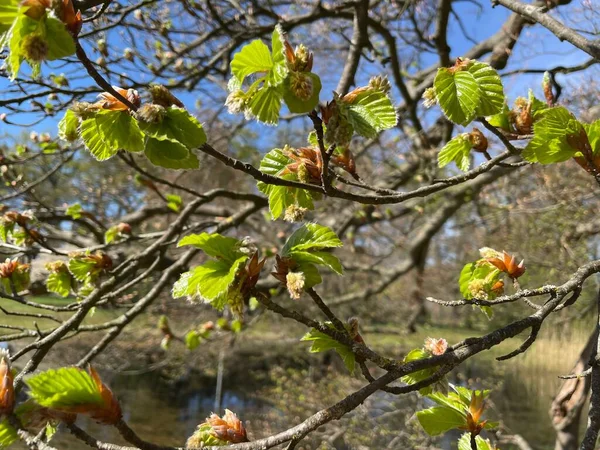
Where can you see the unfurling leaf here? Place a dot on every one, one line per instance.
(458, 149)
(73, 390)
(217, 431)
(322, 342)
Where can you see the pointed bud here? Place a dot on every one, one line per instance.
(547, 87)
(7, 392)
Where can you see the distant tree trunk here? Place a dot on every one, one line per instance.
(567, 405)
(417, 294)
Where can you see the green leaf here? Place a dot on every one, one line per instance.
(9, 10)
(322, 342)
(22, 26)
(490, 85)
(59, 283)
(593, 132)
(458, 94)
(297, 105)
(464, 443)
(8, 435)
(266, 103)
(280, 197)
(320, 258)
(63, 388)
(210, 282)
(439, 419)
(279, 69)
(419, 375)
(215, 245)
(549, 144)
(111, 234)
(501, 120)
(174, 202)
(60, 41)
(252, 58)
(68, 127)
(74, 211)
(312, 277)
(311, 236)
(170, 154)
(458, 149)
(6, 228)
(192, 340)
(110, 131)
(84, 269)
(179, 126)
(371, 113)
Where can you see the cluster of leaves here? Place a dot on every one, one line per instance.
(218, 431)
(462, 409)
(305, 250)
(281, 74)
(163, 129)
(19, 228)
(482, 279)
(37, 30)
(224, 280)
(117, 232)
(14, 276)
(365, 111)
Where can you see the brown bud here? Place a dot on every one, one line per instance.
(478, 141)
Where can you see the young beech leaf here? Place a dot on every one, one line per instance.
(68, 127)
(593, 133)
(371, 112)
(490, 86)
(266, 103)
(549, 144)
(192, 340)
(438, 420)
(15, 38)
(60, 42)
(281, 197)
(74, 211)
(107, 132)
(311, 236)
(60, 283)
(8, 435)
(63, 388)
(252, 58)
(174, 202)
(464, 443)
(458, 149)
(9, 10)
(73, 390)
(419, 375)
(170, 154)
(178, 126)
(322, 342)
(458, 94)
(215, 245)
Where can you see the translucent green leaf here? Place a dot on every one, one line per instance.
(210, 281)
(279, 69)
(22, 26)
(296, 104)
(178, 125)
(419, 375)
(280, 197)
(8, 435)
(266, 103)
(458, 149)
(549, 144)
(68, 127)
(63, 388)
(320, 258)
(439, 419)
(59, 283)
(110, 131)
(490, 85)
(322, 342)
(60, 41)
(464, 443)
(8, 13)
(192, 340)
(215, 245)
(174, 202)
(371, 113)
(501, 120)
(311, 236)
(252, 58)
(74, 211)
(593, 133)
(312, 277)
(111, 234)
(458, 95)
(170, 154)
